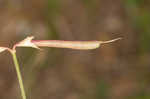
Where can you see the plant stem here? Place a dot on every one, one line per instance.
(18, 74)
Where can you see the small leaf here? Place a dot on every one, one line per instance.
(26, 43)
(3, 49)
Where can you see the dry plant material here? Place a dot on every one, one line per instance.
(79, 45)
(29, 42)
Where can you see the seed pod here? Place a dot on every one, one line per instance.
(80, 45)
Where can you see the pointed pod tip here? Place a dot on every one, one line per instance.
(113, 40)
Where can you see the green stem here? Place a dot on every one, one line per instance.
(19, 75)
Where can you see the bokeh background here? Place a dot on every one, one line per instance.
(120, 70)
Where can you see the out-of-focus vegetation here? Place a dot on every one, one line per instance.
(115, 71)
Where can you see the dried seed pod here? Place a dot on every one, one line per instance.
(81, 45)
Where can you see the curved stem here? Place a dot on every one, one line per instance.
(19, 75)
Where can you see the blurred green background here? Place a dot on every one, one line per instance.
(120, 70)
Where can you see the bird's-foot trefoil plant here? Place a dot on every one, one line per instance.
(29, 42)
